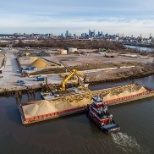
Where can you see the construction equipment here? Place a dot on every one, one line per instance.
(73, 72)
(39, 78)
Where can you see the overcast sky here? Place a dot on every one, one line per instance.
(56, 16)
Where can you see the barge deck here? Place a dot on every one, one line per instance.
(37, 111)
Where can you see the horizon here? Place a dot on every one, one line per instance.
(129, 17)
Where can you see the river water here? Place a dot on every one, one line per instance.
(76, 134)
(139, 48)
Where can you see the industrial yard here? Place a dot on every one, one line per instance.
(96, 66)
(77, 77)
(47, 84)
(62, 78)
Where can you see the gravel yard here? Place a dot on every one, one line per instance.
(97, 67)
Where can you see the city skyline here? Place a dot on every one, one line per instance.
(129, 17)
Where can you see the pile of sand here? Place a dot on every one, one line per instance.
(30, 110)
(33, 58)
(39, 108)
(72, 101)
(132, 90)
(44, 107)
(39, 63)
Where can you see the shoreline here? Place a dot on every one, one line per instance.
(33, 88)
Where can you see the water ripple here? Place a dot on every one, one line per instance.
(126, 143)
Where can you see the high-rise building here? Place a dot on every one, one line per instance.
(67, 33)
(93, 32)
(100, 33)
(90, 32)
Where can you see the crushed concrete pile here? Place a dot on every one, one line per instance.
(39, 63)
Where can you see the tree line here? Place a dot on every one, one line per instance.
(64, 43)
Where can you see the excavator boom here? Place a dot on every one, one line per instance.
(73, 72)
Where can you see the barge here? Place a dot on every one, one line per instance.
(37, 111)
(38, 118)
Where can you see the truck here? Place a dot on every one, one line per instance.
(40, 78)
(20, 83)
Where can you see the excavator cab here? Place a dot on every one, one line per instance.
(68, 77)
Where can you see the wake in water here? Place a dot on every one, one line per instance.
(126, 143)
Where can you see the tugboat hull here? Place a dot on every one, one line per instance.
(110, 128)
(106, 128)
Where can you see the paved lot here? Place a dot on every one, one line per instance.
(10, 75)
(9, 72)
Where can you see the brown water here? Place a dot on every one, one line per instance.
(76, 134)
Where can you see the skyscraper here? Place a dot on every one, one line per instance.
(67, 33)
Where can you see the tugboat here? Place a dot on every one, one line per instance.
(98, 113)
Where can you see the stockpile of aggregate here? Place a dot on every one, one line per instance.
(39, 63)
(37, 109)
(72, 101)
(79, 100)
(33, 58)
(123, 92)
(42, 107)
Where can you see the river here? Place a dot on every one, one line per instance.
(139, 48)
(76, 134)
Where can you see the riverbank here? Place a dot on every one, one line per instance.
(97, 76)
(96, 67)
(140, 45)
(120, 74)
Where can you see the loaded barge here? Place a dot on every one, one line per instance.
(45, 116)
(37, 111)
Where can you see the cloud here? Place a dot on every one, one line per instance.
(47, 24)
(45, 16)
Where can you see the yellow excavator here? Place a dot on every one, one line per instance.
(73, 72)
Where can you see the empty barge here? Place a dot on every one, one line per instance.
(37, 111)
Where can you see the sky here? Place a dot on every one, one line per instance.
(123, 17)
